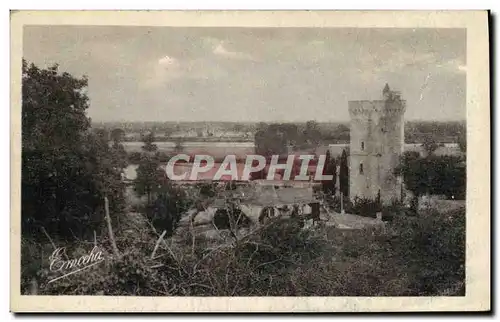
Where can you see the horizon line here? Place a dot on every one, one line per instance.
(268, 122)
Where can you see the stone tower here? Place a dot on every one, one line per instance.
(377, 139)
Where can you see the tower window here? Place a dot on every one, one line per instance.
(362, 146)
(361, 168)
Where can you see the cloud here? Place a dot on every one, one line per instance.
(168, 61)
(454, 65)
(167, 69)
(158, 72)
(221, 51)
(401, 59)
(374, 66)
(316, 42)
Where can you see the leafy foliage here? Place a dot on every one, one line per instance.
(462, 141)
(275, 138)
(413, 256)
(435, 175)
(312, 134)
(328, 186)
(344, 174)
(417, 131)
(117, 135)
(149, 145)
(430, 145)
(66, 169)
(271, 140)
(150, 176)
(165, 212)
(363, 207)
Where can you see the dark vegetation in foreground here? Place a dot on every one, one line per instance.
(411, 256)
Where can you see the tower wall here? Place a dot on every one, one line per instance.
(377, 138)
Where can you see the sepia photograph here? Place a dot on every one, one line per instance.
(251, 161)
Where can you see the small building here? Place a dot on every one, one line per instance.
(256, 201)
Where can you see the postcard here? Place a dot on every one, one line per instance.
(250, 161)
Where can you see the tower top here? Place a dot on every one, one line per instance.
(391, 102)
(389, 94)
(386, 90)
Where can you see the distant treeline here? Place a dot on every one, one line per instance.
(326, 132)
(443, 132)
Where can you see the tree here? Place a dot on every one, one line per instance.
(53, 135)
(149, 145)
(462, 141)
(344, 174)
(179, 147)
(436, 175)
(167, 208)
(328, 186)
(430, 145)
(134, 157)
(101, 134)
(64, 179)
(271, 140)
(237, 127)
(261, 126)
(110, 162)
(119, 155)
(415, 173)
(312, 133)
(148, 178)
(447, 176)
(117, 135)
(342, 133)
(168, 132)
(291, 133)
(149, 174)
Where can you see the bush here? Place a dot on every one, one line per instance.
(165, 212)
(415, 256)
(363, 207)
(207, 189)
(134, 158)
(434, 245)
(395, 208)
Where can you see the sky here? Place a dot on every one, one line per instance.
(255, 74)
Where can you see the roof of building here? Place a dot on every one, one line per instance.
(266, 196)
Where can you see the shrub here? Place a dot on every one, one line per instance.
(134, 157)
(165, 212)
(364, 207)
(434, 245)
(395, 208)
(223, 217)
(422, 255)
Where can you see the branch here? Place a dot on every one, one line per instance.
(167, 247)
(193, 237)
(267, 263)
(110, 228)
(208, 254)
(158, 244)
(50, 239)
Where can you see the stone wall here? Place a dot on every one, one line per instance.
(377, 140)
